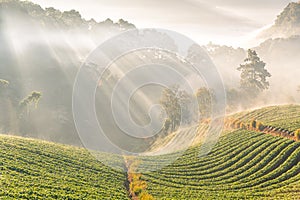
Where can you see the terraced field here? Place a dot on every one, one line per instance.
(243, 165)
(32, 169)
(287, 116)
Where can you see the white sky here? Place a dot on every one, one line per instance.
(230, 22)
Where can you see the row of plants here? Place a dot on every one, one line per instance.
(223, 147)
(263, 167)
(32, 169)
(286, 117)
(256, 125)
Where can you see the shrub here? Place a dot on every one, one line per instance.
(137, 190)
(145, 196)
(253, 124)
(237, 124)
(297, 134)
(260, 126)
(243, 126)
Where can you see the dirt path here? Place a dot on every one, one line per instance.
(135, 186)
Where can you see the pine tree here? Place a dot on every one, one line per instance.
(253, 75)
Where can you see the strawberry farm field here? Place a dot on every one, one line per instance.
(32, 169)
(244, 164)
(287, 116)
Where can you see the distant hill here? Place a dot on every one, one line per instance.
(279, 50)
(53, 18)
(227, 59)
(42, 49)
(282, 58)
(287, 23)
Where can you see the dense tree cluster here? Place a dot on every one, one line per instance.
(179, 106)
(53, 18)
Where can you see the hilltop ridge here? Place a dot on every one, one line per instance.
(286, 24)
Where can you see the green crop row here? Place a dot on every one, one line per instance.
(255, 166)
(32, 169)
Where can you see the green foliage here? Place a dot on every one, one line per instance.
(243, 165)
(145, 196)
(176, 105)
(137, 187)
(260, 126)
(286, 117)
(253, 75)
(33, 169)
(253, 124)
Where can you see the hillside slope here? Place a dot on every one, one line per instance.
(243, 164)
(285, 116)
(32, 169)
(287, 23)
(42, 49)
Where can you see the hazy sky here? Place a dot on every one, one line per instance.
(230, 22)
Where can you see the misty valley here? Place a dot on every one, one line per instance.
(108, 109)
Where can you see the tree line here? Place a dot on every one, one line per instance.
(177, 103)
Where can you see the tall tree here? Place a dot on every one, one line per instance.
(253, 75)
(205, 98)
(26, 120)
(34, 97)
(176, 104)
